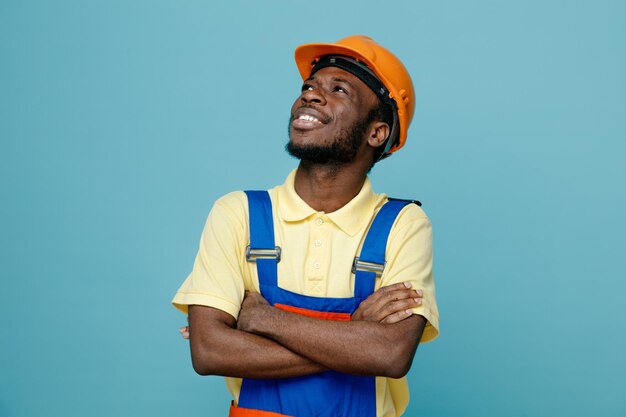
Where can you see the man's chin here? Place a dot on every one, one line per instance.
(323, 155)
(311, 153)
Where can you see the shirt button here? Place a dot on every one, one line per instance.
(319, 222)
(318, 242)
(316, 265)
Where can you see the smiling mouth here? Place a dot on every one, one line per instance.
(304, 120)
(308, 118)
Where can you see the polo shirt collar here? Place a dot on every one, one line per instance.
(350, 218)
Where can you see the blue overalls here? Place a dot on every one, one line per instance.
(329, 393)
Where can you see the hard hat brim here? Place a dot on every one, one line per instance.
(306, 55)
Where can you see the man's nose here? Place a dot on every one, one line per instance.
(313, 96)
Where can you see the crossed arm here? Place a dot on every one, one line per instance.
(266, 342)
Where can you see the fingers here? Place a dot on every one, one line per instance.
(393, 292)
(397, 288)
(398, 309)
(394, 287)
(389, 304)
(397, 316)
(394, 302)
(184, 332)
(400, 295)
(384, 298)
(252, 298)
(248, 298)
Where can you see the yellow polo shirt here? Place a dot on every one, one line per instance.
(317, 253)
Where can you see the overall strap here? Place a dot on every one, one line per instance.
(262, 248)
(371, 262)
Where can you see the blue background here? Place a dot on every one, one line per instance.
(121, 122)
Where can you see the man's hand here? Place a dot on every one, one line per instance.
(389, 304)
(184, 331)
(251, 303)
(252, 309)
(218, 348)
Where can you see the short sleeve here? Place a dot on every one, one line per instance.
(217, 279)
(410, 258)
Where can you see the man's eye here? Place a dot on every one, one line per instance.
(340, 89)
(307, 87)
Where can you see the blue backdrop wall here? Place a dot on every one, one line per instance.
(121, 122)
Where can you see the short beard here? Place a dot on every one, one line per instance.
(342, 150)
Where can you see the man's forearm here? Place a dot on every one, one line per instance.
(217, 348)
(356, 347)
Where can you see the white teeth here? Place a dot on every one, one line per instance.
(308, 118)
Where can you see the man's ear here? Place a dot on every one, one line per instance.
(379, 132)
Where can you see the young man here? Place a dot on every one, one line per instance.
(312, 298)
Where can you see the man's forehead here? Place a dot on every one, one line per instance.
(338, 75)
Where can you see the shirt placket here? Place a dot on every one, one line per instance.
(319, 257)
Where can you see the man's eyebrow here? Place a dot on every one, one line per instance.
(343, 80)
(335, 79)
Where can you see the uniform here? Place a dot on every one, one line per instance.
(317, 256)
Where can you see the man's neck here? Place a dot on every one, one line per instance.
(327, 188)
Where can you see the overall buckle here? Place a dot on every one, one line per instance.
(359, 265)
(253, 254)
